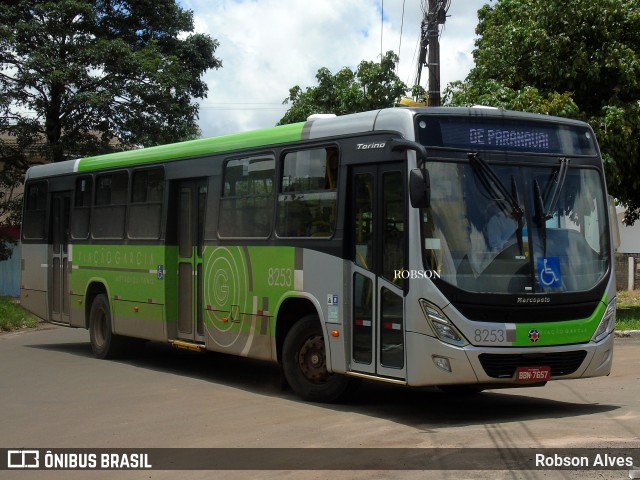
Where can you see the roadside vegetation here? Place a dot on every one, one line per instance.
(13, 316)
(628, 317)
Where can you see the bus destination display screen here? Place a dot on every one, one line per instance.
(481, 133)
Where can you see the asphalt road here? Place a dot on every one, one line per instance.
(54, 394)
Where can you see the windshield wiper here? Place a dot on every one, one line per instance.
(494, 185)
(559, 177)
(542, 214)
(499, 192)
(516, 197)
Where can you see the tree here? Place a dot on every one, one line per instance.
(373, 85)
(575, 58)
(81, 77)
(80, 73)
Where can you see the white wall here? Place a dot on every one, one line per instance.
(629, 236)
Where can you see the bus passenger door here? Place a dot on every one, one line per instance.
(192, 196)
(378, 254)
(59, 258)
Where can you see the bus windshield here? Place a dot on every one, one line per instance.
(538, 236)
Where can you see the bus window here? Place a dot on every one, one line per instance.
(246, 206)
(364, 220)
(33, 225)
(394, 231)
(110, 205)
(307, 201)
(145, 210)
(82, 208)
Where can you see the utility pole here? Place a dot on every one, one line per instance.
(434, 54)
(434, 16)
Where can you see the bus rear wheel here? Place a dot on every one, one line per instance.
(104, 343)
(304, 363)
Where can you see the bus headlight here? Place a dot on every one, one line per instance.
(441, 325)
(607, 324)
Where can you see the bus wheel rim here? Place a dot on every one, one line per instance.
(311, 360)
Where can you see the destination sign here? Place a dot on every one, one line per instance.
(512, 134)
(509, 138)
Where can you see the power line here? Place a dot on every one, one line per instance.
(401, 28)
(244, 106)
(381, 30)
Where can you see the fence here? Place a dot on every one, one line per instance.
(10, 274)
(627, 271)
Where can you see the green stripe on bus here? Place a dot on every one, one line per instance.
(559, 333)
(194, 148)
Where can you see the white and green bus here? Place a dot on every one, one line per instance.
(460, 248)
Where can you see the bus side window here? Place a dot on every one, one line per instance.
(33, 225)
(308, 193)
(246, 206)
(145, 209)
(110, 206)
(81, 215)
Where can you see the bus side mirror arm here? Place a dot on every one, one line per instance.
(419, 184)
(398, 144)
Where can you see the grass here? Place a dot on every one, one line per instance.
(13, 316)
(628, 315)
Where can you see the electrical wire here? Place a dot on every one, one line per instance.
(381, 29)
(401, 28)
(243, 106)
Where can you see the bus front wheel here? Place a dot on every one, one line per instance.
(304, 362)
(104, 343)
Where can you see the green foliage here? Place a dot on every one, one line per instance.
(493, 93)
(628, 318)
(77, 74)
(575, 58)
(373, 85)
(628, 314)
(80, 77)
(13, 316)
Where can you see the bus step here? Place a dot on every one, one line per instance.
(196, 347)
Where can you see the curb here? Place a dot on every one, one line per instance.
(627, 333)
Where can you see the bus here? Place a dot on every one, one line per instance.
(462, 248)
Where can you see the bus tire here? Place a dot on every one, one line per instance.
(104, 343)
(304, 363)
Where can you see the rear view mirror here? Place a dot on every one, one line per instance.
(419, 188)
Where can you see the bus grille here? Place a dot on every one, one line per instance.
(498, 365)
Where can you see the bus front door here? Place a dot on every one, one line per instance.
(191, 207)
(59, 258)
(378, 254)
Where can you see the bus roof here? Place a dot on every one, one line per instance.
(391, 119)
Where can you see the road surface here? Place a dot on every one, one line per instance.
(54, 395)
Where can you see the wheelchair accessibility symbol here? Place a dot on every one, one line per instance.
(549, 273)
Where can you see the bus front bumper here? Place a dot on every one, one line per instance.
(444, 364)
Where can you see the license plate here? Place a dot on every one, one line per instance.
(533, 374)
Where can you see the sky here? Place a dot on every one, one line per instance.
(268, 46)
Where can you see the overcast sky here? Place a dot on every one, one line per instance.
(268, 46)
